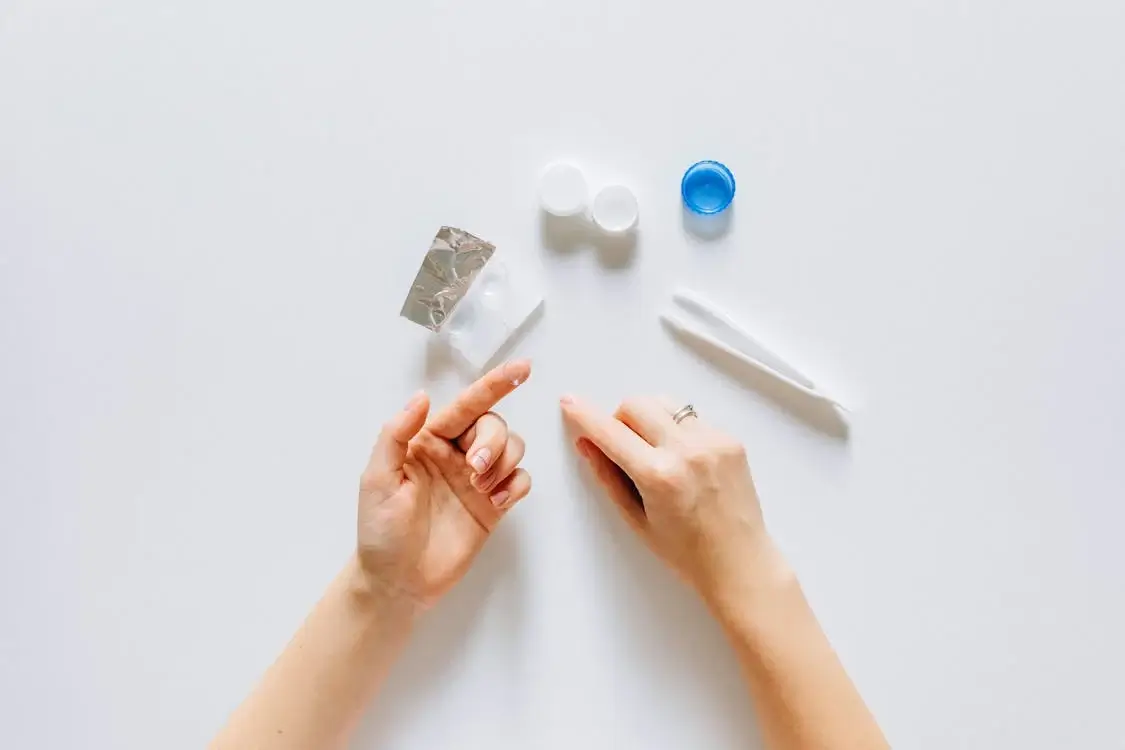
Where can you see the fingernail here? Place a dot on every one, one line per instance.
(414, 400)
(566, 400)
(500, 498)
(480, 459)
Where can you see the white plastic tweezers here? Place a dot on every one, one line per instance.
(717, 329)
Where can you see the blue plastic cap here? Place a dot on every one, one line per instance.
(707, 187)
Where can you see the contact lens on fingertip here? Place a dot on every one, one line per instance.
(707, 187)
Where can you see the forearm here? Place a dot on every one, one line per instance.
(316, 692)
(802, 695)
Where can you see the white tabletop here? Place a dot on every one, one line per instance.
(209, 215)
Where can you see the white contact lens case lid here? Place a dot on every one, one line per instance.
(615, 209)
(563, 190)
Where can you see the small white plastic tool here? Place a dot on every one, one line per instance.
(717, 329)
(563, 190)
(615, 209)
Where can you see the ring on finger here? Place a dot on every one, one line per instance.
(683, 413)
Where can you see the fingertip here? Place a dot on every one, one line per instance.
(569, 405)
(479, 460)
(417, 401)
(583, 422)
(518, 371)
(420, 408)
(484, 444)
(510, 491)
(412, 417)
(391, 448)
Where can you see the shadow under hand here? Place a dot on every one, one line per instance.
(440, 639)
(814, 412)
(673, 633)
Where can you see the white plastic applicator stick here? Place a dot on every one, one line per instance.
(737, 343)
(739, 337)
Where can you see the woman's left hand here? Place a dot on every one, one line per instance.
(435, 488)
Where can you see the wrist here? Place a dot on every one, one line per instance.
(752, 576)
(372, 598)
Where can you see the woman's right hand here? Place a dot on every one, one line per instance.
(685, 489)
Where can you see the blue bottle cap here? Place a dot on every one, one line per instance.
(707, 187)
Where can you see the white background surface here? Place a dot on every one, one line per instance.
(210, 211)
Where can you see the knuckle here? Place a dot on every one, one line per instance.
(637, 405)
(632, 405)
(493, 423)
(700, 457)
(426, 440)
(669, 474)
(730, 448)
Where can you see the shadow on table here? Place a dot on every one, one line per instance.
(439, 639)
(668, 630)
(707, 227)
(814, 412)
(669, 627)
(569, 234)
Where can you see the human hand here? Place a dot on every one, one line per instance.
(435, 489)
(684, 488)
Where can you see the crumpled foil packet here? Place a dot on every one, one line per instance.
(452, 263)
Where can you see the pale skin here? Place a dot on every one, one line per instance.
(438, 484)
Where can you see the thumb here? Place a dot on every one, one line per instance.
(616, 483)
(394, 440)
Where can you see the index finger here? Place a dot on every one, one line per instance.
(479, 398)
(616, 440)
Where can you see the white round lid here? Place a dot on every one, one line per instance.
(562, 190)
(615, 209)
